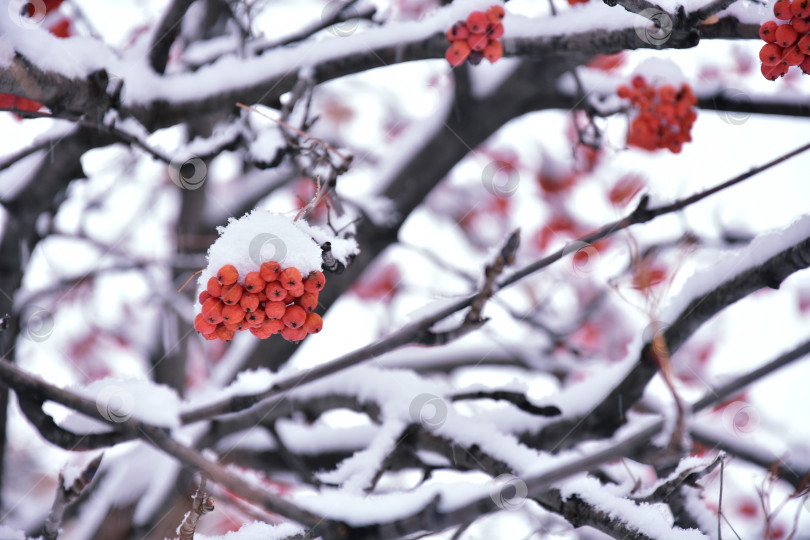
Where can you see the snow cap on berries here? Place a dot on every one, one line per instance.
(260, 236)
(658, 71)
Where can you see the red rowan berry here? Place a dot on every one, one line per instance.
(786, 35)
(274, 291)
(495, 31)
(802, 26)
(249, 302)
(314, 282)
(292, 294)
(771, 72)
(228, 275)
(458, 31)
(255, 318)
(805, 65)
(262, 297)
(294, 316)
(478, 42)
(457, 53)
(477, 22)
(231, 294)
(804, 44)
(212, 310)
(623, 92)
(205, 295)
(290, 278)
(232, 314)
(767, 30)
(495, 14)
(202, 326)
(800, 8)
(313, 324)
(793, 56)
(269, 271)
(212, 336)
(275, 310)
(770, 54)
(214, 287)
(308, 301)
(493, 51)
(225, 333)
(293, 334)
(638, 81)
(782, 10)
(238, 326)
(254, 282)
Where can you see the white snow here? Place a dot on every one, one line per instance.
(119, 399)
(257, 531)
(7, 533)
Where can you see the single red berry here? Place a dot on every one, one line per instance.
(457, 53)
(800, 8)
(793, 56)
(212, 336)
(313, 324)
(270, 271)
(232, 314)
(786, 35)
(255, 318)
(202, 326)
(477, 42)
(638, 82)
(249, 302)
(262, 297)
(293, 334)
(290, 298)
(205, 295)
(495, 31)
(232, 294)
(291, 278)
(315, 282)
(767, 30)
(805, 65)
(275, 310)
(212, 310)
(275, 292)
(294, 316)
(804, 44)
(493, 51)
(238, 326)
(458, 31)
(308, 301)
(770, 54)
(782, 10)
(495, 14)
(801, 25)
(214, 287)
(254, 282)
(477, 22)
(771, 72)
(225, 333)
(227, 275)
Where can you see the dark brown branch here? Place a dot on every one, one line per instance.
(516, 398)
(165, 34)
(67, 495)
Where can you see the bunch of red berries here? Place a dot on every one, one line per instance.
(269, 301)
(786, 44)
(477, 38)
(664, 115)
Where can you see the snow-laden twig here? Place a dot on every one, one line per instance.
(67, 495)
(201, 504)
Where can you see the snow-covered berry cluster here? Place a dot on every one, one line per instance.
(476, 38)
(268, 301)
(786, 44)
(664, 115)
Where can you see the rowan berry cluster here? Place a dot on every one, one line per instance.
(267, 302)
(664, 115)
(476, 38)
(786, 44)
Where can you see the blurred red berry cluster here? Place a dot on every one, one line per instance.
(476, 38)
(786, 44)
(269, 301)
(664, 115)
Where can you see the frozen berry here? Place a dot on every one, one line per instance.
(314, 282)
(254, 282)
(786, 35)
(274, 291)
(313, 324)
(294, 317)
(802, 26)
(493, 51)
(270, 271)
(495, 31)
(275, 310)
(212, 310)
(457, 53)
(782, 10)
(293, 334)
(767, 30)
(495, 14)
(255, 318)
(770, 54)
(457, 31)
(202, 326)
(290, 278)
(804, 44)
(478, 41)
(225, 333)
(232, 294)
(771, 72)
(205, 295)
(295, 292)
(214, 287)
(805, 65)
(249, 302)
(232, 314)
(800, 8)
(238, 326)
(477, 22)
(308, 301)
(212, 336)
(793, 56)
(227, 275)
